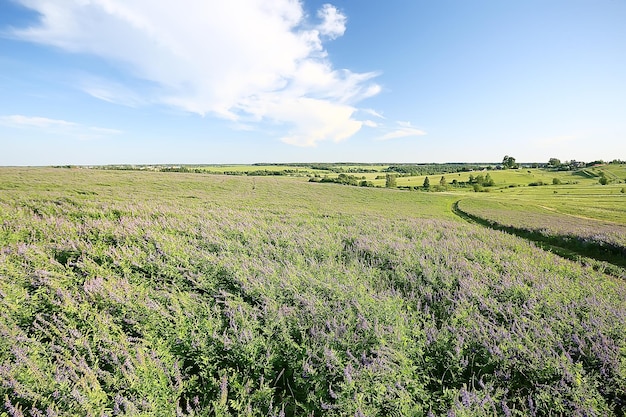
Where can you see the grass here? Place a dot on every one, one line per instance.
(586, 240)
(580, 216)
(519, 177)
(148, 293)
(596, 202)
(275, 193)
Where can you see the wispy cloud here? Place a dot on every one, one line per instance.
(373, 112)
(241, 59)
(17, 120)
(112, 92)
(56, 126)
(403, 130)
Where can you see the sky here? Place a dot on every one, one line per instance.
(93, 82)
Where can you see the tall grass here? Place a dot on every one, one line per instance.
(160, 294)
(570, 230)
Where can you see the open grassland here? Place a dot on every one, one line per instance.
(300, 169)
(513, 178)
(615, 172)
(458, 177)
(600, 202)
(145, 293)
(587, 234)
(254, 168)
(586, 216)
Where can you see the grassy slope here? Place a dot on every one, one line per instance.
(522, 177)
(579, 215)
(268, 192)
(152, 293)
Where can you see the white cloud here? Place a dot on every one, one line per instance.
(17, 120)
(237, 59)
(403, 130)
(315, 120)
(333, 22)
(112, 92)
(56, 127)
(373, 113)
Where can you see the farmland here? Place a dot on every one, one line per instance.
(173, 293)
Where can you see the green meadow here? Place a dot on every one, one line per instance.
(146, 293)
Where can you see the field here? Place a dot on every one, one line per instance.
(513, 178)
(168, 293)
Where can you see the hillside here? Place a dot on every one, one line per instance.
(149, 293)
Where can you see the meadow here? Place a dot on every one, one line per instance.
(573, 214)
(154, 293)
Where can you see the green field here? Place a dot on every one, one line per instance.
(167, 293)
(524, 177)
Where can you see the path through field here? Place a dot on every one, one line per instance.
(604, 259)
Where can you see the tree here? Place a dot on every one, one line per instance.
(603, 179)
(489, 182)
(556, 181)
(509, 162)
(426, 183)
(554, 162)
(443, 182)
(390, 181)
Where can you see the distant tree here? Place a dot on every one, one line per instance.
(489, 182)
(426, 183)
(554, 162)
(390, 180)
(471, 179)
(594, 163)
(509, 162)
(443, 182)
(556, 181)
(603, 179)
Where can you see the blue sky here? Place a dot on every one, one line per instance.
(243, 81)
